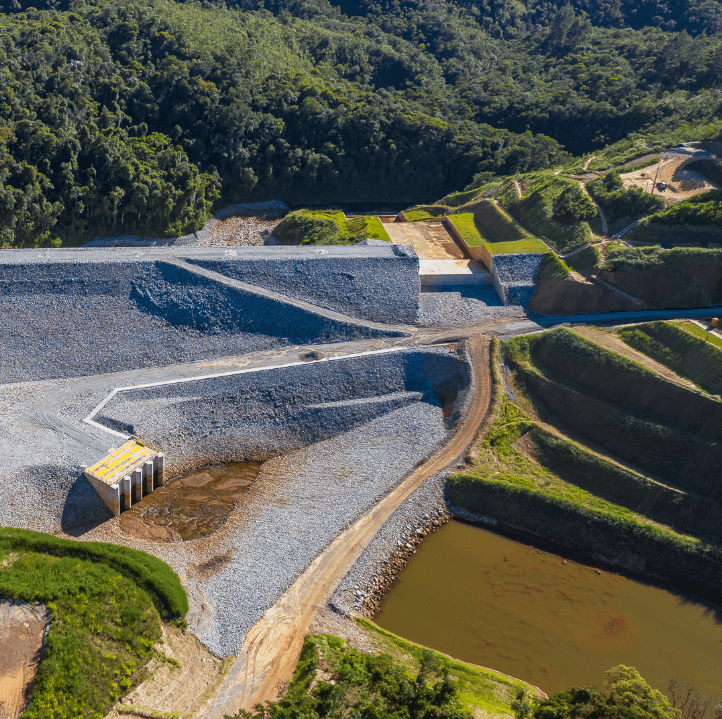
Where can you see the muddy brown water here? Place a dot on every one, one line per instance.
(192, 505)
(555, 623)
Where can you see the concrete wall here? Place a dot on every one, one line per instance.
(71, 313)
(512, 275)
(110, 494)
(382, 286)
(476, 253)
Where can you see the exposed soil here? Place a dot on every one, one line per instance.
(574, 295)
(681, 183)
(22, 628)
(430, 240)
(240, 231)
(193, 505)
(184, 676)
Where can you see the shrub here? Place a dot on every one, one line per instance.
(618, 201)
(149, 573)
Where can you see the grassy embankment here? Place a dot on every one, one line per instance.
(680, 277)
(552, 208)
(600, 455)
(683, 347)
(398, 677)
(420, 213)
(327, 227)
(491, 226)
(696, 220)
(105, 602)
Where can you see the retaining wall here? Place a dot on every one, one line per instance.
(73, 313)
(513, 276)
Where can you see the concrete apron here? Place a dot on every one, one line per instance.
(452, 273)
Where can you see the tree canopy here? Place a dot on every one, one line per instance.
(137, 117)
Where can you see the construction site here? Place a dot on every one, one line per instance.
(342, 381)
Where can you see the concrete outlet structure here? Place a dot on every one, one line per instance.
(126, 475)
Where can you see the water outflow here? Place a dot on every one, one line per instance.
(555, 623)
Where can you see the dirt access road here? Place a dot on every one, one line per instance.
(272, 647)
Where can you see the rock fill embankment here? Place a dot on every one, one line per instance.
(256, 415)
(83, 312)
(378, 283)
(513, 276)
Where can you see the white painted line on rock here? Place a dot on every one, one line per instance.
(89, 419)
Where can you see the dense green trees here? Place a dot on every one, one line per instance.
(625, 696)
(372, 686)
(136, 117)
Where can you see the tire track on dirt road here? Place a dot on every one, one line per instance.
(272, 647)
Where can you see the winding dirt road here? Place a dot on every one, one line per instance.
(272, 647)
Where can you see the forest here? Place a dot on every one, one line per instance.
(141, 117)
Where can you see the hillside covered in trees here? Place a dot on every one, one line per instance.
(141, 116)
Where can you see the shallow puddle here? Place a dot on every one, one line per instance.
(192, 505)
(555, 623)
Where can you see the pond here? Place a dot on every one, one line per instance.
(193, 505)
(555, 623)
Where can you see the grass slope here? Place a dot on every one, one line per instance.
(327, 227)
(683, 347)
(541, 210)
(548, 478)
(101, 635)
(661, 428)
(680, 277)
(399, 679)
(491, 226)
(150, 574)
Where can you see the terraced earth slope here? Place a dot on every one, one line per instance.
(698, 358)
(602, 456)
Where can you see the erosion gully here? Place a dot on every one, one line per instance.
(546, 619)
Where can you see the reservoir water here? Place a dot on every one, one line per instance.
(555, 623)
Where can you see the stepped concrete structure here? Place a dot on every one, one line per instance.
(126, 475)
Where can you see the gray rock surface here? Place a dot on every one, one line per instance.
(78, 313)
(452, 309)
(300, 504)
(513, 276)
(381, 288)
(258, 415)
